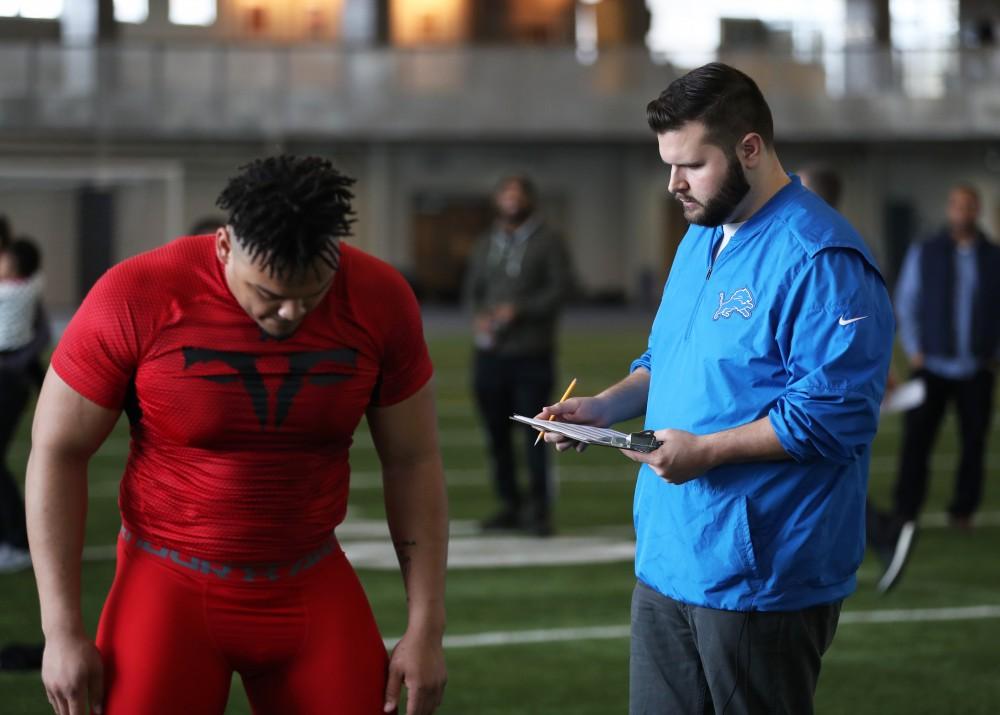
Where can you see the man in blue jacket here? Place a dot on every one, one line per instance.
(765, 368)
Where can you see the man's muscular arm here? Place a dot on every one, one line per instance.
(66, 432)
(416, 505)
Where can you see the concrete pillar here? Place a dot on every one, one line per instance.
(364, 22)
(95, 235)
(88, 22)
(868, 28)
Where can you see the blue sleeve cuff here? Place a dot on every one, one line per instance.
(780, 427)
(837, 426)
(643, 360)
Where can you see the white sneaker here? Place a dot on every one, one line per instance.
(901, 548)
(13, 559)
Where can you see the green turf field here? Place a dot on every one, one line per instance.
(923, 665)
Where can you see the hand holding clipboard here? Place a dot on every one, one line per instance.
(603, 437)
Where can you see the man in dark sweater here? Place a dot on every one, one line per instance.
(516, 282)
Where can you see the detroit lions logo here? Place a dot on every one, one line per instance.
(740, 301)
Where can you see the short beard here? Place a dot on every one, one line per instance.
(518, 217)
(720, 207)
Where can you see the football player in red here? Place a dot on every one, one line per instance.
(244, 361)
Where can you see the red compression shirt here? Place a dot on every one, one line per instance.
(239, 442)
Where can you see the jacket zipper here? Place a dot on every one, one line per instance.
(701, 293)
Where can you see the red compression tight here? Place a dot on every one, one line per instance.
(171, 637)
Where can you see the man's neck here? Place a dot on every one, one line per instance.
(512, 226)
(963, 238)
(771, 180)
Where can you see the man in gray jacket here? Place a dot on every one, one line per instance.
(516, 282)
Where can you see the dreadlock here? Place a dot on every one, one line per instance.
(287, 212)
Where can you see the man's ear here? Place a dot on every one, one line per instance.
(750, 150)
(223, 244)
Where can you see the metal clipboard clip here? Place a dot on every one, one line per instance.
(636, 441)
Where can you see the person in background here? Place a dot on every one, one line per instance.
(21, 342)
(27, 359)
(24, 335)
(824, 182)
(516, 283)
(891, 539)
(946, 302)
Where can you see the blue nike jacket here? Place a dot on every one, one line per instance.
(793, 322)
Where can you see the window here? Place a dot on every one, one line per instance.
(689, 33)
(923, 24)
(922, 30)
(132, 11)
(38, 9)
(193, 12)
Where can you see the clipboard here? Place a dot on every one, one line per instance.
(908, 396)
(636, 441)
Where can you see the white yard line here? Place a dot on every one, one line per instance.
(366, 543)
(473, 437)
(921, 615)
(558, 635)
(587, 551)
(465, 552)
(502, 552)
(565, 473)
(103, 488)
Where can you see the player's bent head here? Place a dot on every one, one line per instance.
(728, 102)
(281, 245)
(289, 213)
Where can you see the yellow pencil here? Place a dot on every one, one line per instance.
(569, 391)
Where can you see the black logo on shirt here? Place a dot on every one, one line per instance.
(299, 367)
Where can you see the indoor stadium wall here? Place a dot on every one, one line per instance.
(608, 198)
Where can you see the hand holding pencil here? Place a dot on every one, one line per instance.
(566, 396)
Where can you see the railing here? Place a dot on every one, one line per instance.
(243, 91)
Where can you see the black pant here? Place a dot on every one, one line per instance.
(505, 386)
(13, 400)
(974, 402)
(698, 661)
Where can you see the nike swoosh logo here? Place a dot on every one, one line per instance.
(852, 320)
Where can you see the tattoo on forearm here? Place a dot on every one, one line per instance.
(403, 547)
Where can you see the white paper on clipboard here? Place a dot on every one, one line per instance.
(909, 395)
(581, 433)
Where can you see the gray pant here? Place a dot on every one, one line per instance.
(688, 660)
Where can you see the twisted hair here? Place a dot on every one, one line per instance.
(287, 212)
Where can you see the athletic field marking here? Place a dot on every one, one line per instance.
(368, 546)
(469, 552)
(103, 488)
(502, 552)
(117, 447)
(922, 615)
(573, 469)
(559, 635)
